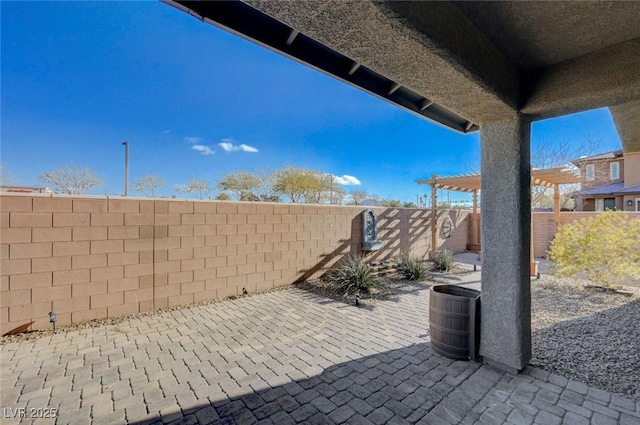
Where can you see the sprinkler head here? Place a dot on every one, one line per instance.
(53, 318)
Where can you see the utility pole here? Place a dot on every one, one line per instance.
(126, 168)
(331, 190)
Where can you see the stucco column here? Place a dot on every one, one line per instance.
(506, 232)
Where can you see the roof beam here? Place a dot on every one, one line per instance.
(425, 104)
(627, 119)
(404, 51)
(276, 24)
(394, 87)
(354, 68)
(602, 78)
(546, 177)
(292, 37)
(430, 47)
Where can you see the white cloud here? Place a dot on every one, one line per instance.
(230, 147)
(347, 180)
(226, 146)
(247, 148)
(204, 150)
(193, 140)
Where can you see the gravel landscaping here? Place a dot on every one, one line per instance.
(585, 335)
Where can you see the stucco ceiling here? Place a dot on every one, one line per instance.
(627, 120)
(457, 63)
(538, 34)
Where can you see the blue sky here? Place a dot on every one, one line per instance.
(79, 78)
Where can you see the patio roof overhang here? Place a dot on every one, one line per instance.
(496, 66)
(458, 63)
(246, 21)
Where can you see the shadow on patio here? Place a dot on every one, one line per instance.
(397, 386)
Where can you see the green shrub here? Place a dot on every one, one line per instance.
(443, 260)
(353, 274)
(605, 247)
(412, 268)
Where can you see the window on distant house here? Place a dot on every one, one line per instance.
(614, 169)
(591, 172)
(609, 204)
(600, 204)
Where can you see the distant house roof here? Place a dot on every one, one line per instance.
(371, 202)
(609, 189)
(24, 189)
(630, 189)
(607, 155)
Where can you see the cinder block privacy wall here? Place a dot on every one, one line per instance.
(96, 257)
(544, 227)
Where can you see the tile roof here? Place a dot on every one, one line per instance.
(609, 189)
(606, 155)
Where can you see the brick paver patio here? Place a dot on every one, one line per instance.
(282, 358)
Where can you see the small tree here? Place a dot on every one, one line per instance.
(245, 186)
(298, 184)
(148, 185)
(325, 188)
(549, 154)
(605, 247)
(223, 197)
(317, 187)
(357, 197)
(200, 187)
(336, 195)
(546, 154)
(409, 205)
(72, 180)
(242, 184)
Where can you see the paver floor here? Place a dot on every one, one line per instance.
(281, 358)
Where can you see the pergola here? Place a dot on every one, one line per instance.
(487, 66)
(471, 183)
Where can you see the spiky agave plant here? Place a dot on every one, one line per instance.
(352, 275)
(443, 260)
(412, 268)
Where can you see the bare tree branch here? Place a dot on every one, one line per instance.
(200, 187)
(357, 197)
(148, 185)
(71, 180)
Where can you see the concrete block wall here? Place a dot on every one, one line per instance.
(544, 227)
(543, 232)
(96, 257)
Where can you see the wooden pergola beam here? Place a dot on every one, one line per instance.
(471, 183)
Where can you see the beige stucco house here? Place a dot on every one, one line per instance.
(609, 180)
